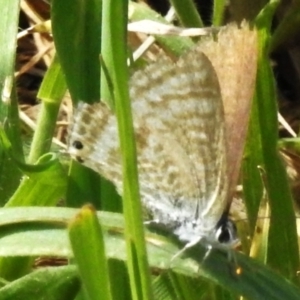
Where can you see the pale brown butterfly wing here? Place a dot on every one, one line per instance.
(234, 57)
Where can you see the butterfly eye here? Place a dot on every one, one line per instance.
(78, 145)
(226, 233)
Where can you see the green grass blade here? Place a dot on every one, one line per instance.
(88, 247)
(76, 27)
(9, 174)
(283, 251)
(42, 231)
(58, 283)
(46, 187)
(136, 251)
(218, 12)
(187, 13)
(252, 180)
(51, 92)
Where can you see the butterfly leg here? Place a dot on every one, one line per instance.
(236, 270)
(208, 251)
(187, 246)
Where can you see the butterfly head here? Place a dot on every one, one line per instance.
(226, 232)
(222, 235)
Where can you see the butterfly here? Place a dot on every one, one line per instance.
(190, 120)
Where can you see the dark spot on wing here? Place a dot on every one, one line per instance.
(78, 145)
(79, 159)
